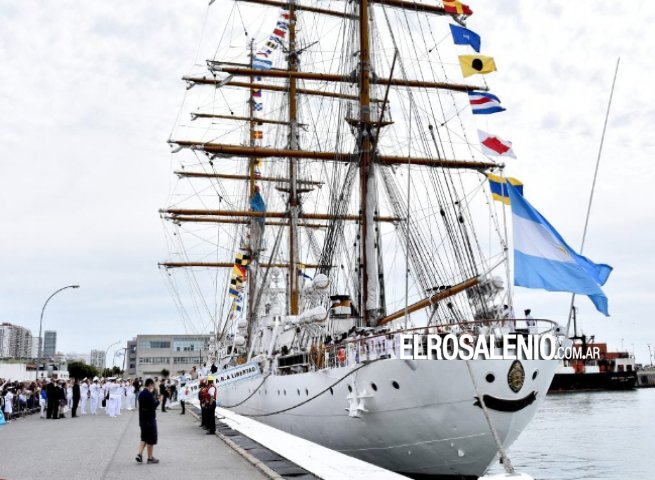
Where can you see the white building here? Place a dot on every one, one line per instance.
(97, 359)
(175, 353)
(4, 341)
(17, 342)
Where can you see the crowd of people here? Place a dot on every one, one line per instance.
(54, 399)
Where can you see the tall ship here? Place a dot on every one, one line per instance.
(332, 194)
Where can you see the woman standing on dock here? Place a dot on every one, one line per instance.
(148, 421)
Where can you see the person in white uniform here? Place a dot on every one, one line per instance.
(94, 394)
(114, 402)
(9, 404)
(84, 395)
(130, 394)
(123, 395)
(69, 395)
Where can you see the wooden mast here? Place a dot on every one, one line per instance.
(252, 123)
(253, 242)
(365, 170)
(293, 62)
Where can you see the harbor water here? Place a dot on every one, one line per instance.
(595, 435)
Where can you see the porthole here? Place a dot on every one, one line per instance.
(278, 392)
(265, 391)
(298, 390)
(395, 385)
(331, 391)
(285, 391)
(490, 377)
(374, 387)
(307, 392)
(535, 374)
(350, 389)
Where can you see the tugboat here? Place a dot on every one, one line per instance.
(600, 369)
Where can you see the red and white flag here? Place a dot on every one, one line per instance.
(496, 146)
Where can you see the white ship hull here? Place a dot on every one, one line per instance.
(430, 425)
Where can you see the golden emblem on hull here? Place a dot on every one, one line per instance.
(516, 376)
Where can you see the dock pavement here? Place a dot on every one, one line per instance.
(104, 448)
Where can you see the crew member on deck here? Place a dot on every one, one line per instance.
(530, 321)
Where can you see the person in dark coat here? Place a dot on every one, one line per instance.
(137, 389)
(163, 394)
(53, 400)
(61, 396)
(76, 398)
(148, 421)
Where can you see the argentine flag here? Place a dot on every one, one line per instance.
(542, 259)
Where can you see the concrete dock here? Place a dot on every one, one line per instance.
(102, 448)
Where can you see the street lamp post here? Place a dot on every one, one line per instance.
(122, 349)
(40, 349)
(107, 353)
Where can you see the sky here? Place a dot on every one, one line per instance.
(89, 93)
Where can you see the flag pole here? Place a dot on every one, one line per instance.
(593, 187)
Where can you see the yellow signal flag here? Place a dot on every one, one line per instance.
(475, 64)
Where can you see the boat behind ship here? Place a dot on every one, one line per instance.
(600, 369)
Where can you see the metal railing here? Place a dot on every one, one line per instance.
(353, 351)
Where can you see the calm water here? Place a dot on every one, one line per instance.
(601, 435)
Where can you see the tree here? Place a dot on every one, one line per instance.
(81, 370)
(165, 372)
(112, 372)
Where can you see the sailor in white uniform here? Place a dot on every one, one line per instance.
(130, 394)
(68, 387)
(84, 394)
(94, 393)
(109, 402)
(114, 401)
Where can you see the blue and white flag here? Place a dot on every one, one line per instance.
(464, 36)
(542, 259)
(483, 103)
(262, 63)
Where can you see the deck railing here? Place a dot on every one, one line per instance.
(353, 351)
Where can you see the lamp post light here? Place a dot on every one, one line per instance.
(40, 349)
(107, 353)
(122, 349)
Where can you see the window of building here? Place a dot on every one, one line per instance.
(188, 345)
(151, 360)
(154, 344)
(186, 360)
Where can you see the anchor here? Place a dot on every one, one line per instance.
(356, 400)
